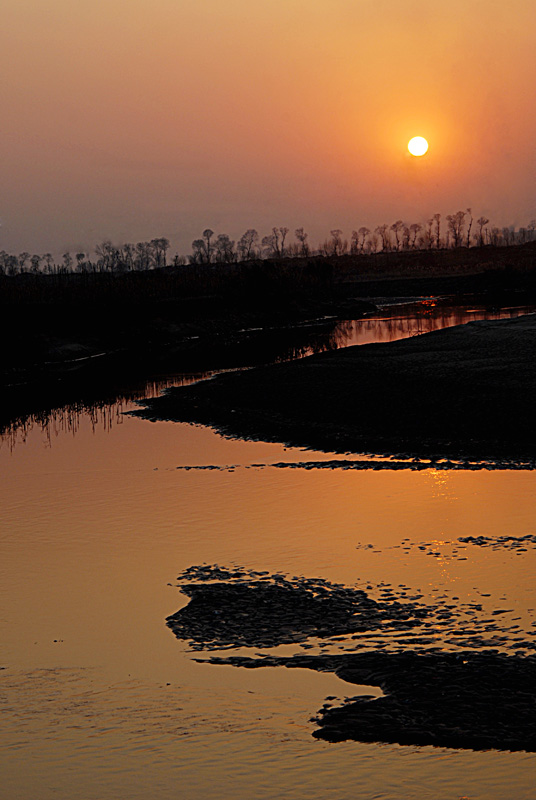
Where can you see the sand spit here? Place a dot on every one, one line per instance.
(465, 392)
(476, 701)
(445, 670)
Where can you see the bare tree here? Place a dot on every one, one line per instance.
(49, 262)
(397, 227)
(508, 235)
(225, 249)
(301, 236)
(270, 244)
(481, 222)
(80, 262)
(437, 220)
(274, 243)
(414, 228)
(128, 252)
(198, 252)
(67, 261)
(202, 249)
(23, 258)
(248, 245)
(164, 247)
(495, 236)
(35, 263)
(531, 228)
(337, 246)
(469, 226)
(143, 256)
(207, 236)
(455, 226)
(104, 254)
(12, 265)
(428, 236)
(283, 232)
(373, 242)
(160, 247)
(362, 234)
(383, 233)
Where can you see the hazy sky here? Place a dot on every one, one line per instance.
(131, 119)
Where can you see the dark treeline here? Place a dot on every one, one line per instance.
(132, 299)
(454, 231)
(112, 316)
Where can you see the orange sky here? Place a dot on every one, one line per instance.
(131, 119)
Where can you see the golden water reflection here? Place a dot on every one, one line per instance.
(99, 698)
(102, 700)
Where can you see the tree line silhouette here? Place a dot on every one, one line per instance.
(456, 230)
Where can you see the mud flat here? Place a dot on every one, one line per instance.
(476, 701)
(477, 698)
(464, 392)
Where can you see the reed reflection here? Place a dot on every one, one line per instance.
(104, 400)
(102, 413)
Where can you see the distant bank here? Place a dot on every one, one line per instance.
(65, 329)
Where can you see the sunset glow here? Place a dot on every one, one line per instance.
(418, 146)
(175, 116)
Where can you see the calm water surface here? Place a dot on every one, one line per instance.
(100, 700)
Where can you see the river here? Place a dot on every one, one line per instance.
(101, 701)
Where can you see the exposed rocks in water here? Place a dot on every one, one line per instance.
(452, 550)
(368, 464)
(516, 543)
(478, 698)
(257, 611)
(464, 700)
(235, 607)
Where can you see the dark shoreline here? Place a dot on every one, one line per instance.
(464, 392)
(81, 337)
(81, 378)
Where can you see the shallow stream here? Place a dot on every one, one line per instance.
(101, 701)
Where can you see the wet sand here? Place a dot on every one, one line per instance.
(464, 392)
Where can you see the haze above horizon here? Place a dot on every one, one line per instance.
(129, 119)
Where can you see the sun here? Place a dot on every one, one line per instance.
(417, 146)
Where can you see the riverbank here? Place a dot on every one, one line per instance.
(56, 320)
(464, 392)
(74, 337)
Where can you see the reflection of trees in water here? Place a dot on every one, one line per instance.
(416, 320)
(105, 408)
(66, 419)
(98, 413)
(318, 342)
